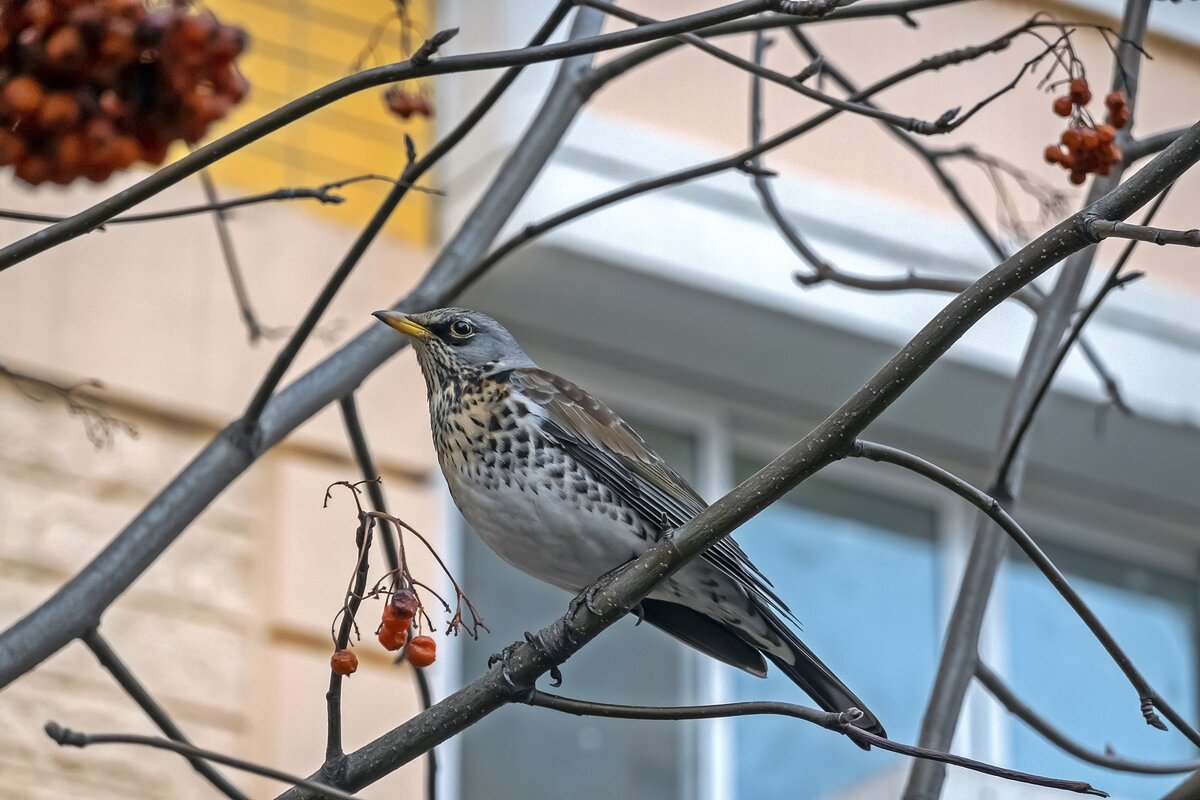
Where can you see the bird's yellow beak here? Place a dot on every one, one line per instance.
(402, 323)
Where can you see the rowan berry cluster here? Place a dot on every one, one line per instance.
(89, 87)
(398, 614)
(1085, 147)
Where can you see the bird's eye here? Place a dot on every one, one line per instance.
(462, 329)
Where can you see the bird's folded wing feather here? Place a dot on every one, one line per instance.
(617, 456)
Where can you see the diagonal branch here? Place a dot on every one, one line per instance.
(998, 689)
(101, 212)
(125, 678)
(1147, 696)
(832, 439)
(839, 722)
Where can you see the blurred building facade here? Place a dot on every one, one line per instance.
(679, 308)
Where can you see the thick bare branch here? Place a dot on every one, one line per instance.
(829, 441)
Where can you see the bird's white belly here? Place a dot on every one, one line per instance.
(547, 535)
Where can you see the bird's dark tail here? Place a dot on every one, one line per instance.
(818, 681)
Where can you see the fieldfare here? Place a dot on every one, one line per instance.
(563, 489)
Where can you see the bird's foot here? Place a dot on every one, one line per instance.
(587, 598)
(504, 657)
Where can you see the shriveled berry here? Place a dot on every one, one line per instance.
(393, 639)
(1063, 106)
(1107, 133)
(1053, 154)
(421, 652)
(343, 662)
(1078, 177)
(1114, 100)
(1119, 117)
(1072, 138)
(405, 603)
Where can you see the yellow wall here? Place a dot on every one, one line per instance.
(297, 46)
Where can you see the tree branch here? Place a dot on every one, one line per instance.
(1147, 696)
(125, 678)
(960, 645)
(1023, 711)
(832, 439)
(65, 737)
(1108, 229)
(839, 722)
(101, 212)
(1137, 149)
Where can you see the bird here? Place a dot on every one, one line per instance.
(563, 489)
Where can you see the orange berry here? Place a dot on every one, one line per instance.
(343, 662)
(58, 111)
(421, 652)
(1114, 100)
(64, 48)
(1081, 95)
(1107, 133)
(1053, 154)
(23, 94)
(1078, 177)
(394, 619)
(1089, 139)
(1119, 117)
(1072, 138)
(12, 148)
(32, 169)
(393, 639)
(1062, 106)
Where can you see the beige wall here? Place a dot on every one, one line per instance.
(230, 628)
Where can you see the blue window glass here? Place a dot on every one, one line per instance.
(519, 751)
(860, 572)
(1055, 664)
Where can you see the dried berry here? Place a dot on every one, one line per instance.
(1063, 106)
(1080, 94)
(343, 662)
(404, 603)
(1114, 100)
(1053, 154)
(422, 651)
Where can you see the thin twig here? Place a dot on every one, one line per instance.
(941, 125)
(998, 689)
(990, 506)
(1108, 229)
(100, 426)
(842, 723)
(758, 177)
(66, 737)
(366, 465)
(125, 678)
(1114, 280)
(233, 267)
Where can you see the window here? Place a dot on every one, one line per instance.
(1055, 664)
(865, 569)
(860, 572)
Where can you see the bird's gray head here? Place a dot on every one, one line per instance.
(456, 343)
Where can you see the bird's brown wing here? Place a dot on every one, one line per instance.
(605, 444)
